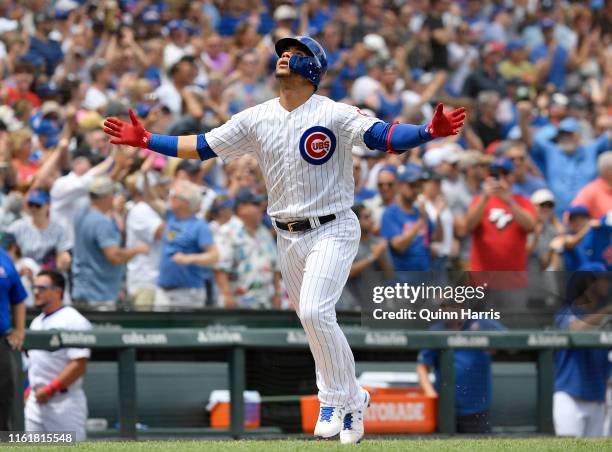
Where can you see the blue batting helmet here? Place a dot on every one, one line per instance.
(311, 67)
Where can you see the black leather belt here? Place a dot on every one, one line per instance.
(303, 225)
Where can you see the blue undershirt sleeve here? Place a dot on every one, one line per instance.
(204, 150)
(164, 144)
(168, 145)
(403, 136)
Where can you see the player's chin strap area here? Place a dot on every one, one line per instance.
(396, 138)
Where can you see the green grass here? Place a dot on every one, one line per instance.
(377, 445)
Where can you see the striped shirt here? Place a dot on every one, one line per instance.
(305, 154)
(39, 244)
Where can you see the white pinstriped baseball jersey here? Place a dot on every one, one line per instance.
(305, 154)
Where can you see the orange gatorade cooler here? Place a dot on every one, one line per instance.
(392, 410)
(219, 407)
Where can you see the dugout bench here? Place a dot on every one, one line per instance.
(233, 343)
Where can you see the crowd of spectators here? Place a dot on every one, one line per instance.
(526, 185)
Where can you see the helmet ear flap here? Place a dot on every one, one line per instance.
(306, 66)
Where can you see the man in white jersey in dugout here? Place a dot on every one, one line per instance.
(303, 144)
(56, 400)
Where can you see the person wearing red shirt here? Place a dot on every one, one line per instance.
(23, 75)
(597, 196)
(500, 222)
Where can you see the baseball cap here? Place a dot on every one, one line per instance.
(7, 239)
(247, 196)
(541, 196)
(101, 186)
(38, 197)
(189, 166)
(89, 120)
(175, 24)
(470, 158)
(515, 45)
(389, 169)
(151, 16)
(411, 173)
(49, 107)
(375, 43)
(578, 210)
(222, 202)
(569, 125)
(47, 90)
(116, 109)
(42, 17)
(559, 99)
(285, 12)
(63, 8)
(547, 22)
(493, 47)
(502, 164)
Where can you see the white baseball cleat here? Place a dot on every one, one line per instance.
(329, 422)
(352, 426)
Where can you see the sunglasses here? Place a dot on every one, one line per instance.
(518, 159)
(42, 288)
(386, 184)
(32, 205)
(548, 205)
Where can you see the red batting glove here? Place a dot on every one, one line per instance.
(445, 124)
(133, 134)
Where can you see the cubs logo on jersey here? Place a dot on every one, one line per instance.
(317, 145)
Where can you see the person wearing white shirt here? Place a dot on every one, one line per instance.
(437, 208)
(144, 225)
(97, 95)
(70, 192)
(56, 400)
(182, 75)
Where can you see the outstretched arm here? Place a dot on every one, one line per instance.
(134, 134)
(402, 137)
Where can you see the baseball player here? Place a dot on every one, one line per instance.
(56, 401)
(303, 144)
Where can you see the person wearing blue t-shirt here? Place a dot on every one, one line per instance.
(602, 241)
(576, 246)
(473, 378)
(187, 252)
(581, 375)
(99, 260)
(407, 227)
(566, 164)
(552, 60)
(12, 331)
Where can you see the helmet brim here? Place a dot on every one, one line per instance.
(284, 43)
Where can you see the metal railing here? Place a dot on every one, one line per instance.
(235, 341)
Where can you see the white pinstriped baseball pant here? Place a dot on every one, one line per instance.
(315, 266)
